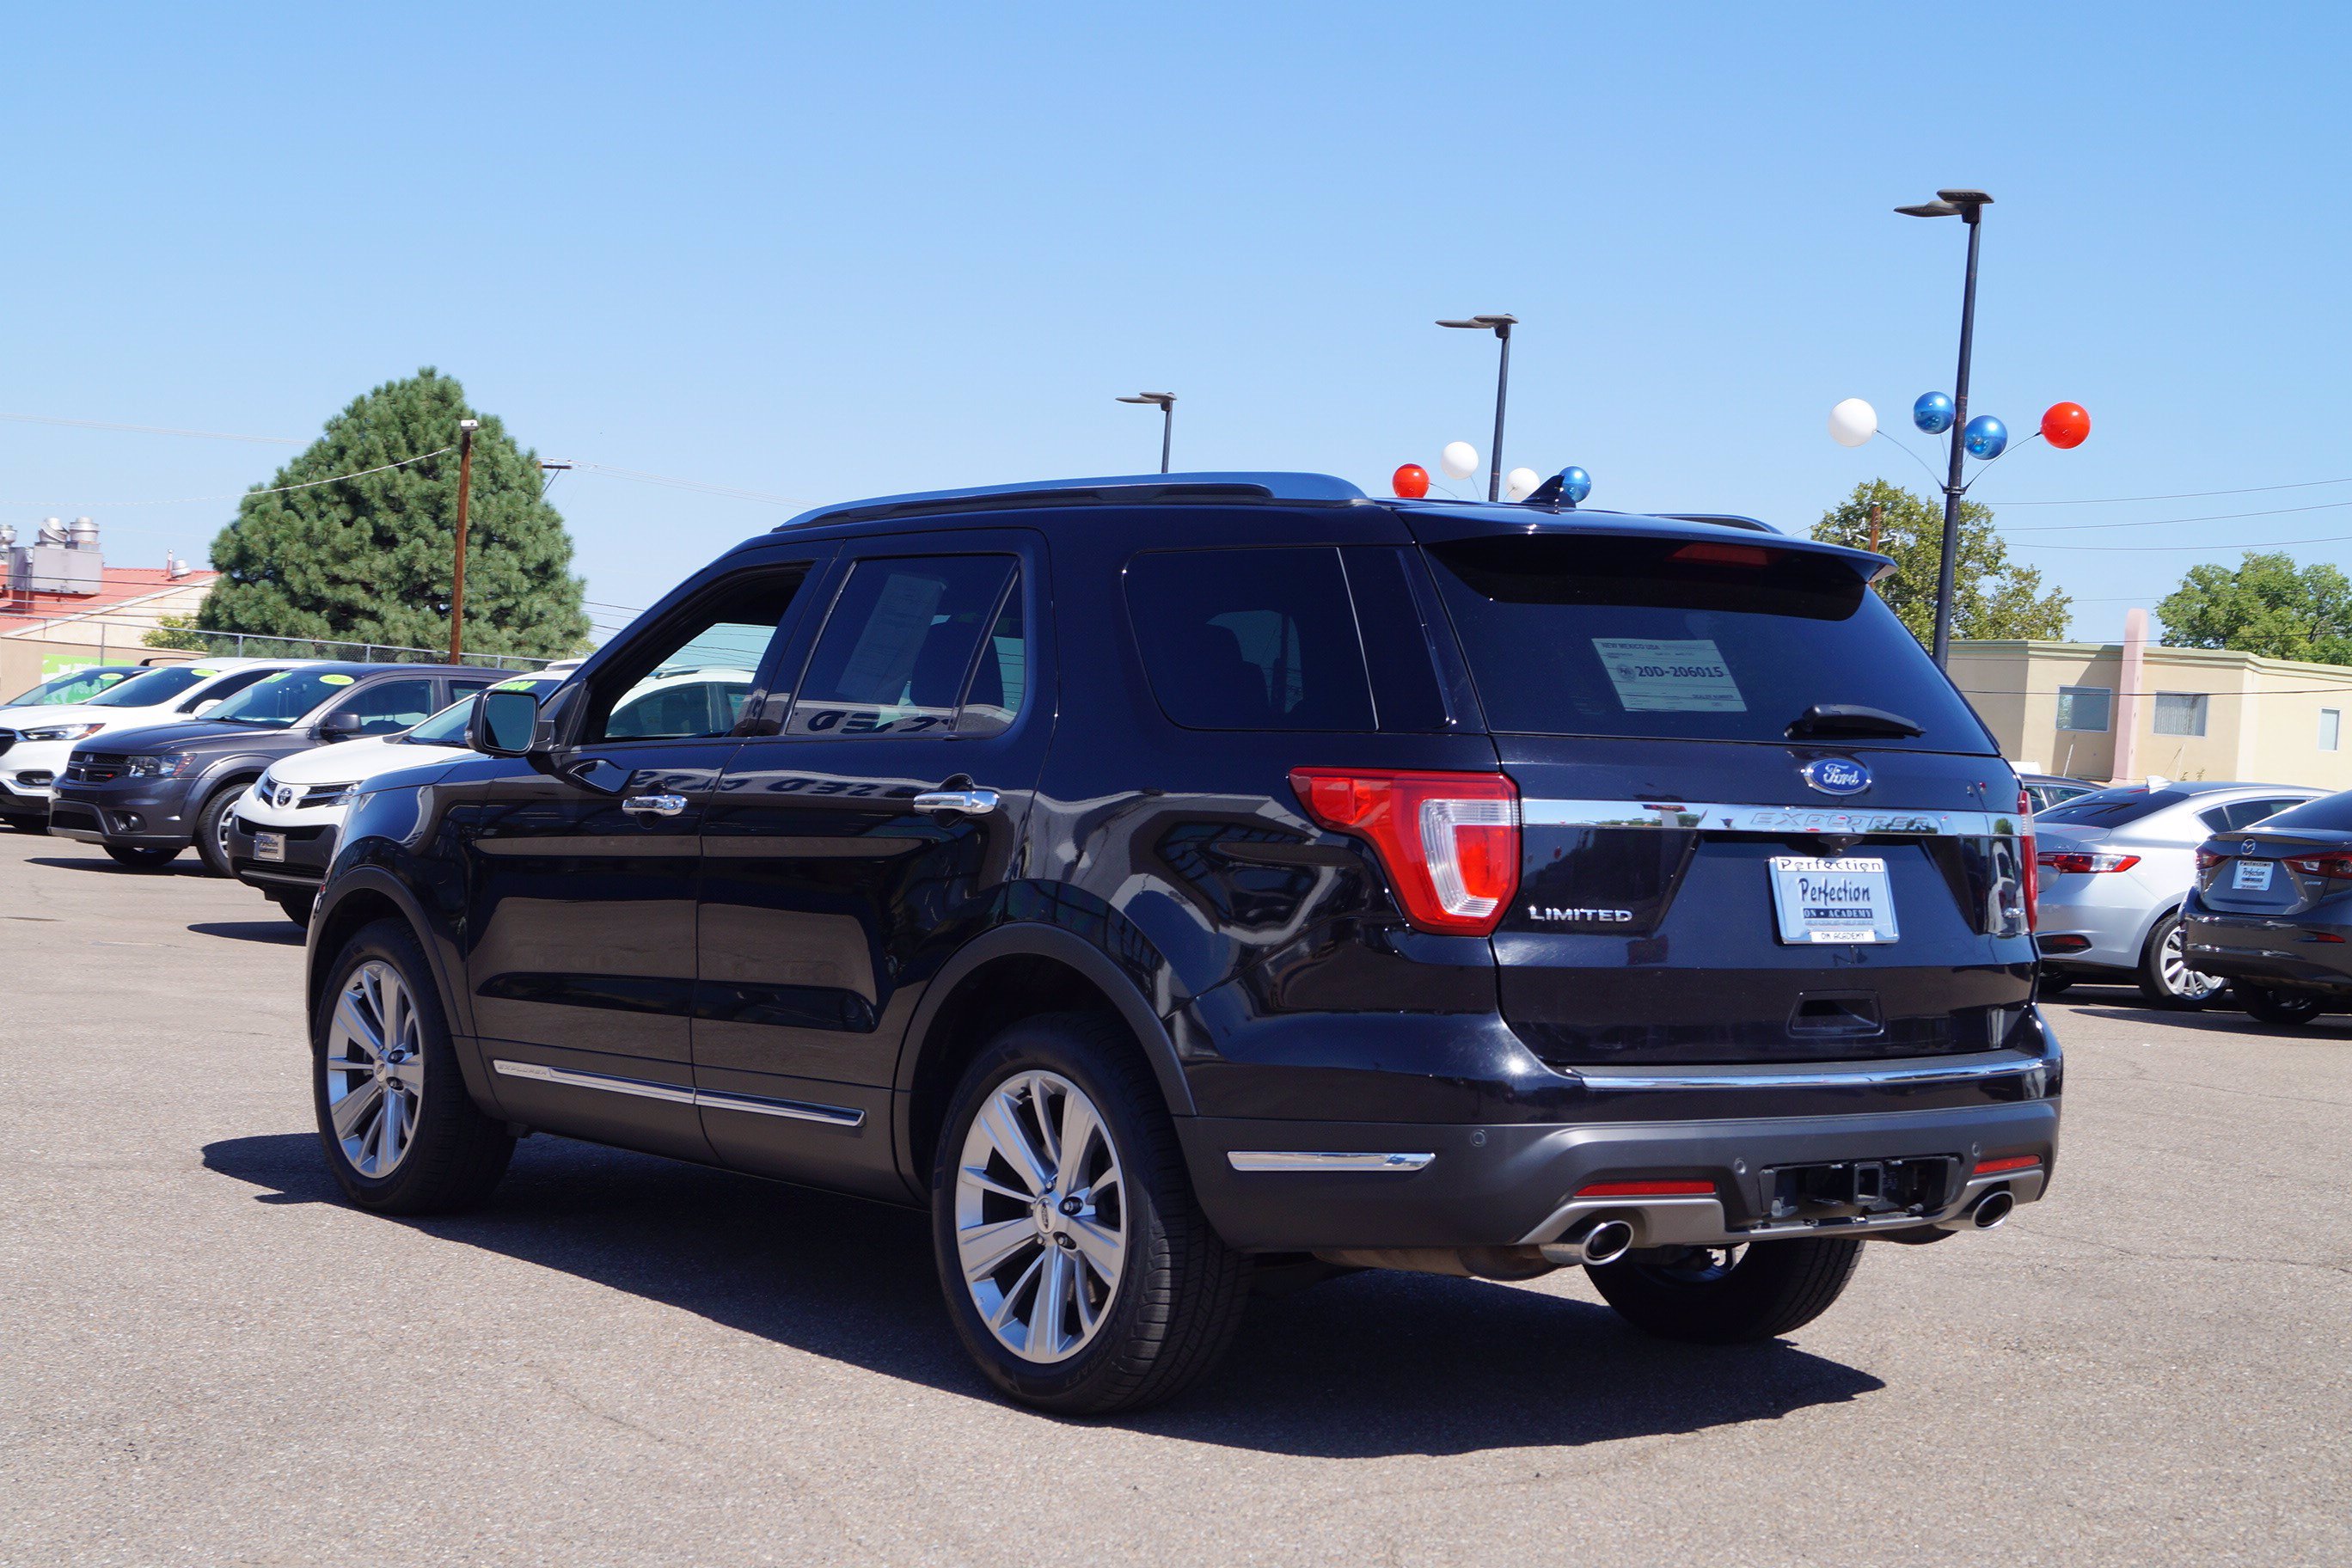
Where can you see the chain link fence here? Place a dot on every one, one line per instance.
(252, 645)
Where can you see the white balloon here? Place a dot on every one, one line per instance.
(1852, 422)
(1459, 460)
(1520, 483)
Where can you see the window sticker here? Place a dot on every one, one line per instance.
(329, 679)
(515, 686)
(1681, 676)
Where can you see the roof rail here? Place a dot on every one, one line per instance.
(1130, 489)
(1728, 519)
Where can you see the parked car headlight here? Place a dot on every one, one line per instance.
(61, 732)
(168, 766)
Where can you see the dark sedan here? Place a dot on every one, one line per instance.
(146, 795)
(2272, 911)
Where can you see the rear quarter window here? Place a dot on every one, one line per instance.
(2329, 813)
(1250, 639)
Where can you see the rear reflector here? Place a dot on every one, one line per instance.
(1647, 1190)
(1724, 554)
(1450, 842)
(2007, 1163)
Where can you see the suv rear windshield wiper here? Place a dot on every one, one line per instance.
(1851, 719)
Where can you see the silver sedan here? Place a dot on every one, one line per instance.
(2115, 865)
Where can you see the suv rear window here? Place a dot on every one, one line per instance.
(1579, 634)
(1250, 639)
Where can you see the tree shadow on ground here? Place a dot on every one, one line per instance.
(272, 933)
(1373, 1365)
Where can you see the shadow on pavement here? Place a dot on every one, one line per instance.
(1372, 1365)
(101, 862)
(276, 933)
(2221, 1020)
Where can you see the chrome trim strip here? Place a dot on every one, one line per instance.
(675, 1094)
(1846, 1078)
(790, 1109)
(1721, 818)
(1323, 1159)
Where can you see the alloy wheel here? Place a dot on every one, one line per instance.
(220, 837)
(376, 1068)
(2172, 963)
(1041, 1216)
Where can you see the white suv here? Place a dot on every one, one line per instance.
(34, 741)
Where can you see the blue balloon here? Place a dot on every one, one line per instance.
(1575, 484)
(1985, 437)
(1932, 413)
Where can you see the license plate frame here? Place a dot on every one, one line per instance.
(269, 846)
(1845, 900)
(2242, 881)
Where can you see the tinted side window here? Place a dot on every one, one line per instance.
(1250, 639)
(1001, 679)
(2329, 813)
(390, 706)
(899, 646)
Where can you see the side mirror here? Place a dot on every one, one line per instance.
(206, 706)
(339, 726)
(502, 723)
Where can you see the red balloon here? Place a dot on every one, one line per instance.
(2066, 424)
(1412, 481)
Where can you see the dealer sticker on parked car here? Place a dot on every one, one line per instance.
(1845, 900)
(2253, 877)
(269, 846)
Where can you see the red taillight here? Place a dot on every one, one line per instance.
(2335, 868)
(1450, 841)
(2207, 859)
(1647, 1190)
(2083, 861)
(2032, 872)
(2010, 1163)
(1724, 554)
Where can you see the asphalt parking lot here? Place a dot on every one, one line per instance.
(209, 1359)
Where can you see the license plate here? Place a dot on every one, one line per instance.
(269, 846)
(2252, 877)
(1845, 900)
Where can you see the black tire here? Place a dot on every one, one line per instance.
(1770, 1288)
(2157, 987)
(2053, 984)
(296, 907)
(141, 859)
(455, 1154)
(210, 820)
(1181, 1291)
(2282, 1008)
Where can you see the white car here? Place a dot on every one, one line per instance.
(35, 741)
(282, 832)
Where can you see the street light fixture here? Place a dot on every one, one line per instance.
(1968, 207)
(1501, 327)
(1167, 405)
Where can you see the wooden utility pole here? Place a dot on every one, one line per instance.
(1874, 526)
(465, 429)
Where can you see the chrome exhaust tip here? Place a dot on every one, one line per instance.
(1605, 1243)
(1992, 1209)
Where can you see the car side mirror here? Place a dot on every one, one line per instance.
(339, 726)
(206, 706)
(502, 723)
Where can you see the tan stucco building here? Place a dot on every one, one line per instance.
(2072, 708)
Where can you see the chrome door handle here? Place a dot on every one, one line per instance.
(973, 802)
(654, 805)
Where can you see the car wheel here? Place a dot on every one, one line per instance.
(212, 828)
(2281, 1007)
(2053, 984)
(1727, 1295)
(1079, 1270)
(296, 907)
(401, 1134)
(140, 859)
(2165, 977)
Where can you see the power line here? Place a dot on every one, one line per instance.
(273, 491)
(2234, 544)
(148, 429)
(706, 488)
(2162, 522)
(2181, 495)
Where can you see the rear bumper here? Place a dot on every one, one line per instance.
(2291, 953)
(1425, 1185)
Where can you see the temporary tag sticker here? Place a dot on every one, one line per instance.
(204, 672)
(329, 679)
(1685, 676)
(514, 686)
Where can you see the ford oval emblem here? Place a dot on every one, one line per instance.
(1836, 775)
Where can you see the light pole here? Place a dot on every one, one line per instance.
(1167, 405)
(1968, 207)
(1501, 327)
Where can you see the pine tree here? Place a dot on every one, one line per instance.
(1990, 597)
(367, 560)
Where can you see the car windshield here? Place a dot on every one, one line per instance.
(2113, 807)
(278, 700)
(74, 686)
(1694, 639)
(155, 687)
(447, 728)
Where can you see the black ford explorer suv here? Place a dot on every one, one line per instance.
(1173, 879)
(146, 795)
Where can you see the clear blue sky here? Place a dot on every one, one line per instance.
(825, 255)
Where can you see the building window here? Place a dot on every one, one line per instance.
(2331, 728)
(2180, 712)
(2083, 709)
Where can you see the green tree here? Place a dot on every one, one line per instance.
(1991, 596)
(2267, 604)
(368, 559)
